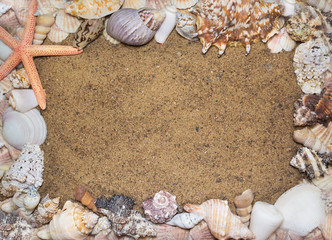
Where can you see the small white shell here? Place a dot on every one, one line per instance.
(67, 22)
(23, 100)
(185, 220)
(265, 219)
(167, 26)
(8, 206)
(31, 200)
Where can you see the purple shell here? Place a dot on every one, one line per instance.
(161, 208)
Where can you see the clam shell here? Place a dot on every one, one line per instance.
(22, 100)
(201, 232)
(22, 128)
(134, 27)
(43, 27)
(67, 22)
(222, 223)
(167, 26)
(56, 34)
(185, 220)
(20, 79)
(93, 9)
(302, 208)
(21, 9)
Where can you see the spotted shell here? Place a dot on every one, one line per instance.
(93, 9)
(89, 30)
(161, 208)
(134, 27)
(243, 22)
(281, 41)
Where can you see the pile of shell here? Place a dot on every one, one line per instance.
(303, 212)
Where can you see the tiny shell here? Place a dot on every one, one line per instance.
(302, 208)
(19, 79)
(23, 100)
(93, 9)
(161, 208)
(56, 34)
(88, 31)
(134, 27)
(222, 223)
(167, 26)
(43, 27)
(201, 232)
(243, 205)
(31, 200)
(85, 198)
(185, 220)
(102, 224)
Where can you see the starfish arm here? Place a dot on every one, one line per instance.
(11, 62)
(29, 28)
(8, 39)
(34, 80)
(51, 50)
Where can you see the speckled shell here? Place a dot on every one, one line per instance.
(222, 223)
(73, 222)
(201, 232)
(93, 9)
(243, 204)
(119, 205)
(311, 60)
(185, 220)
(102, 224)
(25, 172)
(20, 79)
(88, 31)
(281, 41)
(309, 162)
(312, 108)
(318, 137)
(308, 23)
(161, 208)
(323, 5)
(45, 211)
(186, 24)
(218, 24)
(134, 27)
(43, 27)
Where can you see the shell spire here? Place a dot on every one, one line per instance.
(243, 205)
(222, 222)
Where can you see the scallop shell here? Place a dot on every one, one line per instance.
(88, 31)
(22, 128)
(311, 60)
(222, 223)
(93, 9)
(56, 34)
(9, 21)
(85, 198)
(167, 26)
(20, 8)
(22, 100)
(161, 208)
(243, 205)
(45, 211)
(166, 232)
(43, 27)
(281, 41)
(302, 208)
(185, 220)
(20, 79)
(184, 4)
(102, 224)
(318, 137)
(308, 161)
(186, 24)
(201, 232)
(152, 4)
(73, 222)
(134, 27)
(67, 22)
(323, 5)
(326, 226)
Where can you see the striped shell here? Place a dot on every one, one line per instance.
(45, 211)
(201, 232)
(166, 232)
(281, 41)
(222, 222)
(56, 34)
(67, 22)
(43, 27)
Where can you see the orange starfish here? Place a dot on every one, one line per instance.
(24, 51)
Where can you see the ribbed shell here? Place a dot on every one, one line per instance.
(166, 232)
(134, 27)
(201, 232)
(67, 22)
(323, 5)
(324, 183)
(43, 27)
(281, 41)
(243, 204)
(222, 222)
(56, 34)
(327, 227)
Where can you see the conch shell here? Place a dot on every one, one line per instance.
(222, 222)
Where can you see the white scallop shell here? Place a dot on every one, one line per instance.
(56, 34)
(23, 100)
(67, 22)
(185, 220)
(22, 128)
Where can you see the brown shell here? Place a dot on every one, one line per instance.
(85, 198)
(313, 108)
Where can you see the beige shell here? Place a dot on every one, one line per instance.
(43, 27)
(153, 4)
(317, 137)
(20, 79)
(167, 232)
(326, 227)
(5, 158)
(93, 9)
(201, 232)
(222, 222)
(67, 22)
(45, 211)
(324, 183)
(281, 41)
(20, 8)
(323, 5)
(5, 87)
(56, 34)
(243, 204)
(9, 21)
(102, 224)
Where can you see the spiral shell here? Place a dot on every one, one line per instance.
(243, 205)
(102, 224)
(186, 25)
(134, 27)
(43, 27)
(161, 208)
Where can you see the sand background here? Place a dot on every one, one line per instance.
(137, 120)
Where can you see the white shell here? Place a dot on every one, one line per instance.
(265, 219)
(4, 8)
(23, 100)
(302, 208)
(22, 128)
(185, 220)
(102, 224)
(67, 22)
(5, 51)
(186, 24)
(289, 7)
(167, 26)
(8, 205)
(56, 34)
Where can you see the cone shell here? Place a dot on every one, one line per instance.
(222, 223)
(201, 232)
(45, 211)
(93, 9)
(43, 27)
(88, 31)
(67, 22)
(85, 198)
(243, 205)
(161, 208)
(134, 27)
(318, 137)
(56, 35)
(20, 79)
